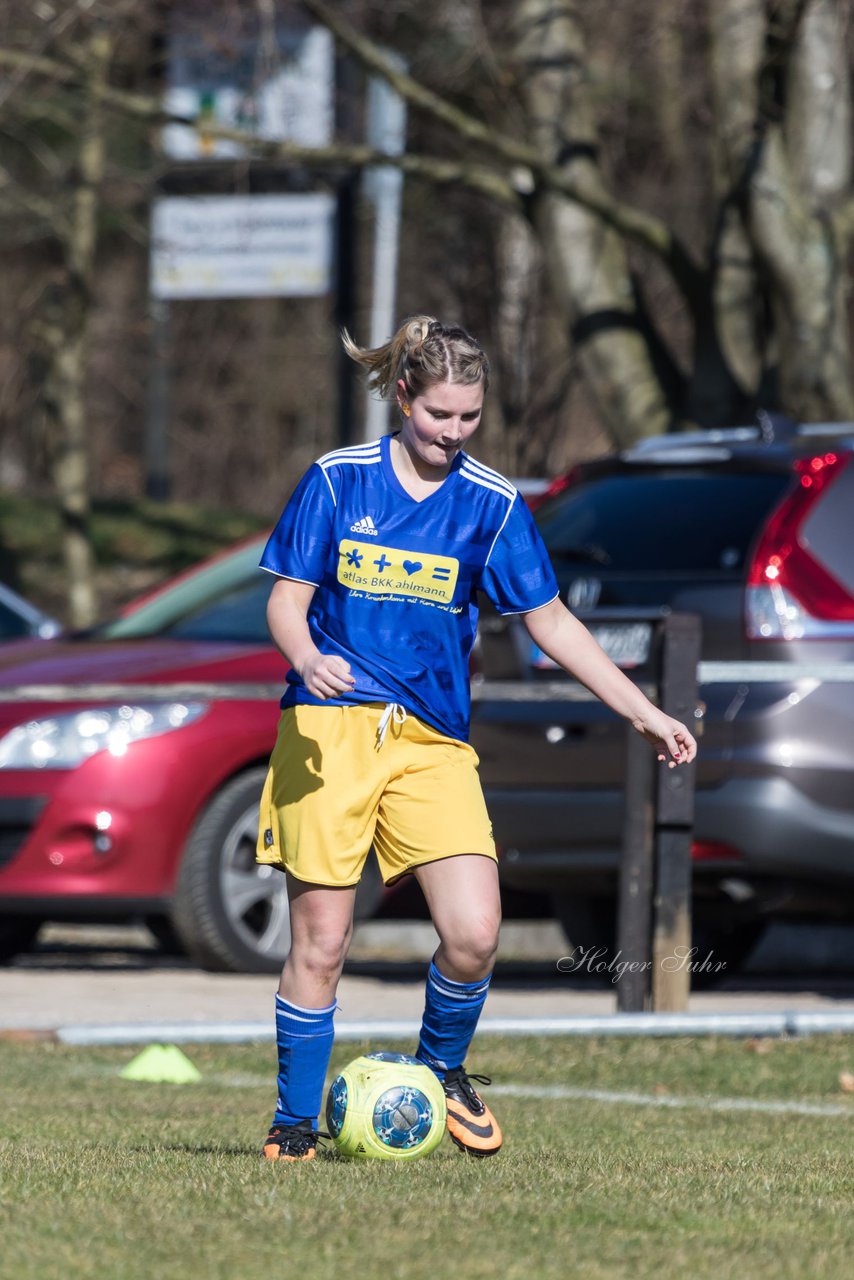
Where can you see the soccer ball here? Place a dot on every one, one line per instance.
(386, 1106)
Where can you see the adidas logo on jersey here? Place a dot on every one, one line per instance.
(365, 525)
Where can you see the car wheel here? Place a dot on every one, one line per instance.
(230, 913)
(590, 923)
(17, 934)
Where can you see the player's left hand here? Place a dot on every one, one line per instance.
(674, 742)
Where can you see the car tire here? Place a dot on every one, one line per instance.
(17, 934)
(590, 923)
(230, 913)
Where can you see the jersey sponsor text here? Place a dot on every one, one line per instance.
(388, 571)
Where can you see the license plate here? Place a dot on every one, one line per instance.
(626, 644)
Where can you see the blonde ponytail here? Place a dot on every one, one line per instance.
(422, 352)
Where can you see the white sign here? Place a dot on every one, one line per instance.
(236, 83)
(241, 246)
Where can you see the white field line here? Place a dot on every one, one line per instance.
(559, 1092)
(707, 1103)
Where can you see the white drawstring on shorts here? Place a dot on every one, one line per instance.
(394, 714)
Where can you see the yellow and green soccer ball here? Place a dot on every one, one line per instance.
(386, 1106)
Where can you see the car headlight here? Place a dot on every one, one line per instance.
(67, 740)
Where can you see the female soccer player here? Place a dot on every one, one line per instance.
(378, 557)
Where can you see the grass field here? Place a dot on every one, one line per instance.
(100, 1177)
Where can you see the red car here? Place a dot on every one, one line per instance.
(116, 805)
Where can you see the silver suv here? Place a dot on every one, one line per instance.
(753, 529)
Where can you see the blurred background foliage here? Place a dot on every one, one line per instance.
(651, 102)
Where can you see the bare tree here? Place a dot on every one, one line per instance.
(783, 106)
(66, 330)
(70, 215)
(767, 297)
(587, 258)
(519, 120)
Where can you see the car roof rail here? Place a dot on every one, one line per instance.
(774, 426)
(808, 429)
(716, 442)
(680, 442)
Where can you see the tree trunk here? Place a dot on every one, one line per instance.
(736, 301)
(518, 269)
(784, 106)
(586, 261)
(66, 334)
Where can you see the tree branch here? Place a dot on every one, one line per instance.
(374, 59)
(585, 190)
(134, 104)
(501, 187)
(40, 207)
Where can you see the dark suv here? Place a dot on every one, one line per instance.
(752, 529)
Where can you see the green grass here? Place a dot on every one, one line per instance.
(103, 1178)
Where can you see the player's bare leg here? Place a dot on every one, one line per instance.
(465, 904)
(321, 928)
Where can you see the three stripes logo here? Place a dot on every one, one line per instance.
(365, 526)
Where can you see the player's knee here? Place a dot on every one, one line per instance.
(473, 949)
(321, 951)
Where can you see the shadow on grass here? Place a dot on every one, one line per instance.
(195, 1149)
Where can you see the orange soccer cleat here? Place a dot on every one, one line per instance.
(291, 1142)
(471, 1124)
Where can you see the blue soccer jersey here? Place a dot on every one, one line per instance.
(398, 579)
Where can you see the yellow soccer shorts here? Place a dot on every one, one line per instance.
(337, 784)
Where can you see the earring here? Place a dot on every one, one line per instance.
(406, 409)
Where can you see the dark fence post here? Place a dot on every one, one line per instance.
(674, 821)
(634, 897)
(654, 898)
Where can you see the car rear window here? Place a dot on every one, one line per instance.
(829, 529)
(239, 616)
(204, 604)
(679, 520)
(12, 625)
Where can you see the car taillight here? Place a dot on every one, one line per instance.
(557, 486)
(714, 851)
(790, 594)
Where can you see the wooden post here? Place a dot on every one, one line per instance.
(654, 896)
(674, 821)
(634, 901)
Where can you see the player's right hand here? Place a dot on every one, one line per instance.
(327, 675)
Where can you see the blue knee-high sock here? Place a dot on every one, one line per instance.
(304, 1041)
(451, 1011)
